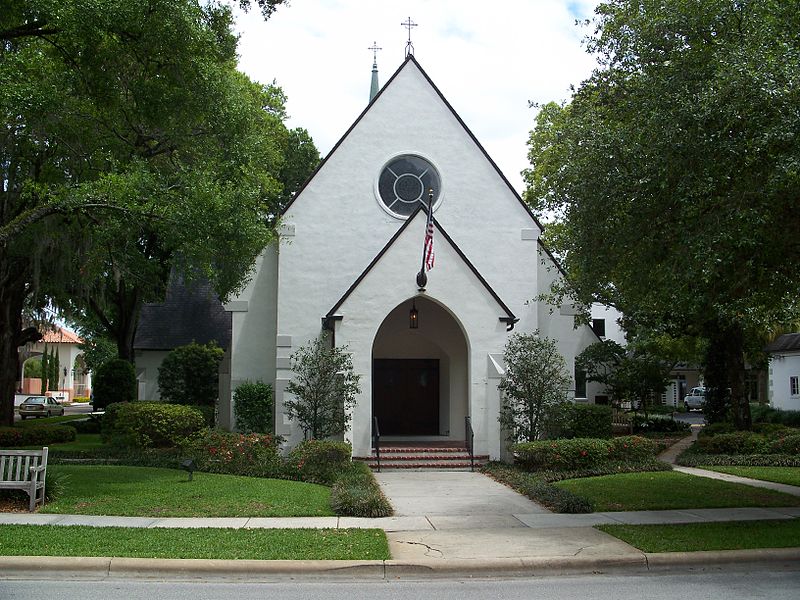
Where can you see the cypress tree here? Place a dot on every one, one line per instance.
(45, 371)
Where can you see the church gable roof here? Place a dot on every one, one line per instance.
(411, 60)
(507, 317)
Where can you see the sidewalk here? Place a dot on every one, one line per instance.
(453, 524)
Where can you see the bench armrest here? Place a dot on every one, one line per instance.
(38, 469)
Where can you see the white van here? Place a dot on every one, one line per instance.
(695, 399)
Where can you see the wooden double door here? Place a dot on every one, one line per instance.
(405, 395)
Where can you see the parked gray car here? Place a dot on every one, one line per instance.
(39, 406)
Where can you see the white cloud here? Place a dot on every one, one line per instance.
(488, 60)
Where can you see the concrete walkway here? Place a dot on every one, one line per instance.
(446, 523)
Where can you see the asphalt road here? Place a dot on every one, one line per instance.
(716, 585)
(75, 409)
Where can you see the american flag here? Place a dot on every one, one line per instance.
(428, 246)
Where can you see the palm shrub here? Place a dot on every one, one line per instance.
(253, 405)
(115, 381)
(356, 494)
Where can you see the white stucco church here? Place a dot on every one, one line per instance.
(350, 248)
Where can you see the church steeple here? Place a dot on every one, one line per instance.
(373, 88)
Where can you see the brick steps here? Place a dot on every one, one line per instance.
(423, 458)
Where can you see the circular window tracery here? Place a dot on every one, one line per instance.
(404, 183)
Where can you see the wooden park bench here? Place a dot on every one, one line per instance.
(621, 423)
(24, 470)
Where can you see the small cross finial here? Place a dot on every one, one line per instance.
(408, 24)
(374, 49)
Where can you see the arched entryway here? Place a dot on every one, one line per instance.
(419, 376)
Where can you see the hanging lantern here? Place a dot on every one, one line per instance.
(413, 316)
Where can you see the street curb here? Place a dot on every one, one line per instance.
(48, 567)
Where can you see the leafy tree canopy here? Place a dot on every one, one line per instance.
(672, 172)
(130, 145)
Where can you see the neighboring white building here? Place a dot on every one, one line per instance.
(350, 248)
(74, 379)
(784, 372)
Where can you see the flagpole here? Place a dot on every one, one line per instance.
(422, 277)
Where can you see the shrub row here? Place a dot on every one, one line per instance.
(749, 442)
(697, 459)
(582, 453)
(654, 424)
(539, 490)
(609, 468)
(763, 413)
(38, 435)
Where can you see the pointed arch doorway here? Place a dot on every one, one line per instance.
(419, 376)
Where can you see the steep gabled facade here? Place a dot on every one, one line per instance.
(350, 247)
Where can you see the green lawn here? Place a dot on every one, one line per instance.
(670, 490)
(739, 535)
(231, 544)
(788, 475)
(151, 492)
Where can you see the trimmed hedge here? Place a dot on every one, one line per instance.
(357, 494)
(152, 424)
(38, 435)
(319, 461)
(739, 442)
(582, 453)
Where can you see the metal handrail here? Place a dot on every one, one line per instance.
(470, 441)
(376, 441)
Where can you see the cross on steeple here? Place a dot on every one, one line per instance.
(408, 23)
(374, 49)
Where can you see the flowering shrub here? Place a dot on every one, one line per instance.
(253, 454)
(319, 461)
(577, 453)
(631, 448)
(582, 453)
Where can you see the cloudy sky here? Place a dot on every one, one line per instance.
(488, 59)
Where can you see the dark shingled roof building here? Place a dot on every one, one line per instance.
(787, 342)
(191, 312)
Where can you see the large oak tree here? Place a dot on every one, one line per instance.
(674, 173)
(130, 145)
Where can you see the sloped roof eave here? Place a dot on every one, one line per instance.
(509, 317)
